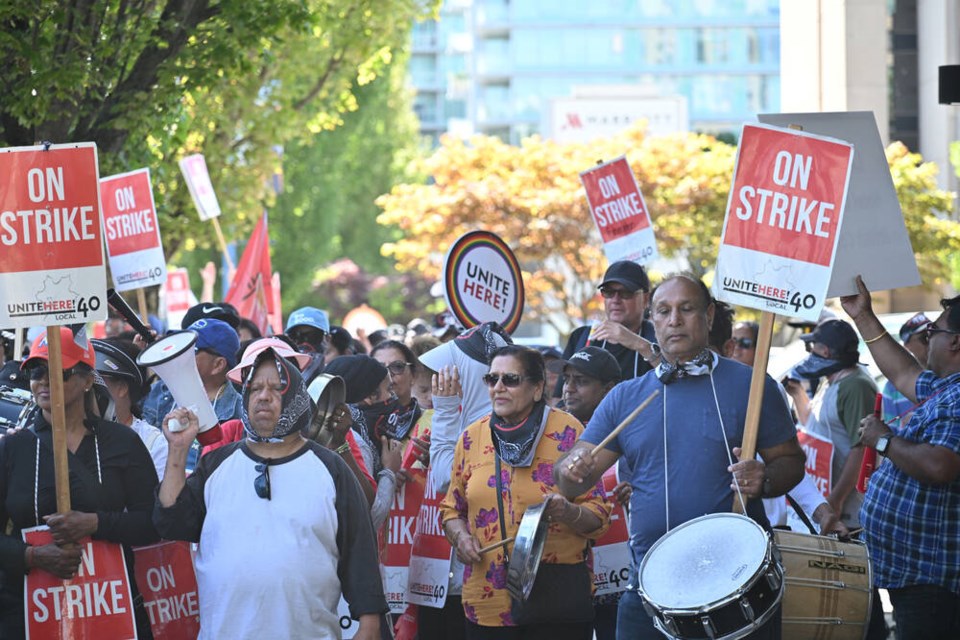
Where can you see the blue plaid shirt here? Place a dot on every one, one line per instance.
(912, 529)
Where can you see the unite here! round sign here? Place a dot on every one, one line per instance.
(51, 242)
(783, 220)
(482, 281)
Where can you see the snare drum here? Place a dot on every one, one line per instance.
(15, 407)
(716, 576)
(828, 587)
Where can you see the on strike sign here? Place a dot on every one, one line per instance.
(168, 584)
(133, 236)
(194, 169)
(95, 604)
(51, 258)
(783, 220)
(619, 212)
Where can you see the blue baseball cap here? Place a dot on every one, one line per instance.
(308, 317)
(217, 336)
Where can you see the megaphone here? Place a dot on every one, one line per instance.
(327, 392)
(174, 360)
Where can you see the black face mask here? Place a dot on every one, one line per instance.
(815, 366)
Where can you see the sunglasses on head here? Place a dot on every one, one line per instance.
(397, 367)
(41, 371)
(745, 343)
(623, 294)
(509, 380)
(261, 484)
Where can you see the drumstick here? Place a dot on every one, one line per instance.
(626, 421)
(493, 546)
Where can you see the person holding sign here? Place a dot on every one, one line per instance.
(112, 481)
(283, 526)
(911, 511)
(683, 450)
(624, 333)
(502, 466)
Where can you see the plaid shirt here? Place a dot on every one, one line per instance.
(913, 529)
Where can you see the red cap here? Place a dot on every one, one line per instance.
(70, 351)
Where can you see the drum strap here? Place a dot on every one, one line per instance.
(496, 466)
(800, 514)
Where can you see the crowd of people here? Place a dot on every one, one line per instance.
(290, 508)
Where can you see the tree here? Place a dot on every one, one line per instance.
(532, 197)
(151, 81)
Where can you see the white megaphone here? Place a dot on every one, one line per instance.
(174, 360)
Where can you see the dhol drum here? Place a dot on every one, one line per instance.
(717, 576)
(828, 587)
(16, 406)
(527, 551)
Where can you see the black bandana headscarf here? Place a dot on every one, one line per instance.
(515, 444)
(701, 365)
(296, 407)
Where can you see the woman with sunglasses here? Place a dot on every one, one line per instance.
(402, 367)
(112, 480)
(283, 526)
(483, 507)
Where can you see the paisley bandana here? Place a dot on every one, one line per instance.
(295, 410)
(515, 444)
(701, 365)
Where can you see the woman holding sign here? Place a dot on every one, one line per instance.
(112, 481)
(489, 495)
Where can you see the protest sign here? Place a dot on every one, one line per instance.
(177, 296)
(873, 241)
(430, 556)
(482, 281)
(95, 604)
(400, 531)
(611, 553)
(619, 212)
(783, 219)
(131, 230)
(51, 248)
(168, 584)
(194, 169)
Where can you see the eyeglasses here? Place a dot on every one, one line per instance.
(745, 343)
(623, 294)
(261, 484)
(509, 380)
(931, 329)
(41, 371)
(397, 367)
(309, 335)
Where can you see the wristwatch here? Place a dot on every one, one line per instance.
(883, 443)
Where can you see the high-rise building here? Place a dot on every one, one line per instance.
(493, 66)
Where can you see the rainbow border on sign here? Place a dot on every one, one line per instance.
(458, 252)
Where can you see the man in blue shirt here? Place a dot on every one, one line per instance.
(693, 472)
(911, 512)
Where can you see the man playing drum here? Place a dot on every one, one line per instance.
(682, 448)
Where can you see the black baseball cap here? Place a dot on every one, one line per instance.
(837, 334)
(595, 362)
(630, 274)
(212, 311)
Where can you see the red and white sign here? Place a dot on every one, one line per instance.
(819, 463)
(429, 573)
(95, 604)
(619, 212)
(177, 296)
(131, 230)
(783, 220)
(194, 169)
(611, 553)
(401, 527)
(168, 584)
(51, 249)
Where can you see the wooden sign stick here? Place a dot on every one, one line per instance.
(223, 245)
(142, 303)
(493, 546)
(755, 402)
(626, 421)
(61, 470)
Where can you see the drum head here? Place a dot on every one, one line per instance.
(327, 392)
(702, 561)
(166, 349)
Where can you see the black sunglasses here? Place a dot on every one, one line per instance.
(509, 380)
(261, 484)
(623, 294)
(931, 329)
(397, 367)
(745, 343)
(41, 371)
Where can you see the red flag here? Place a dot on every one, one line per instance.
(251, 290)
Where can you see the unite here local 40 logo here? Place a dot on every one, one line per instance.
(783, 220)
